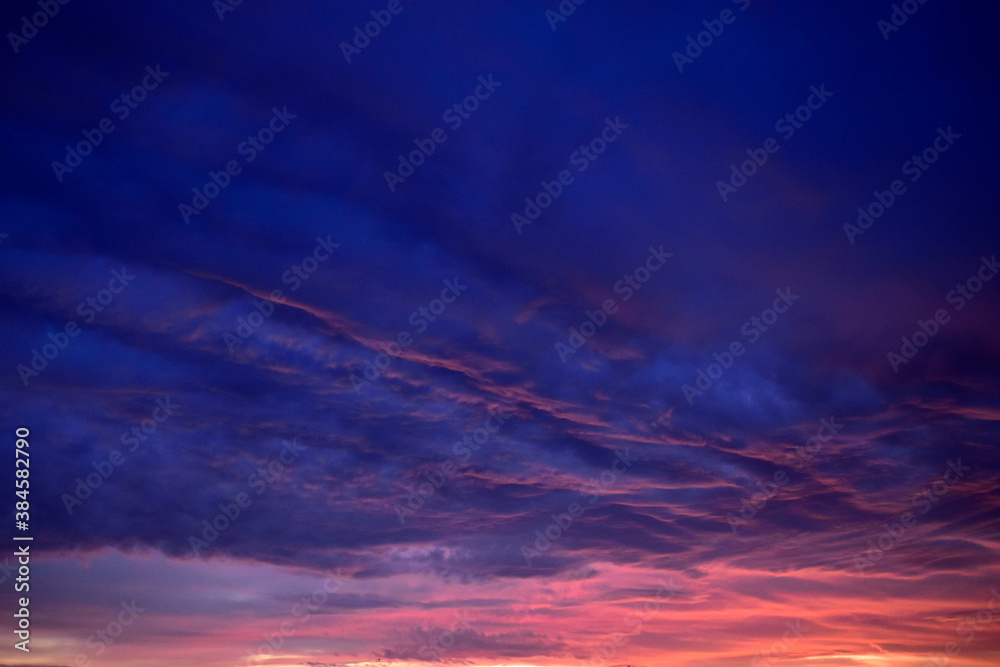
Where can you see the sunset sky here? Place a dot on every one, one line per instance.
(655, 334)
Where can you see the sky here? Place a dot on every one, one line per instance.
(542, 334)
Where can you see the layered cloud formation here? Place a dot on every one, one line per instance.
(334, 418)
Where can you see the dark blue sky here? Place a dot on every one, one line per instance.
(640, 317)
